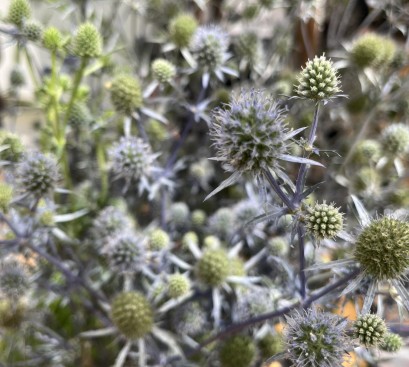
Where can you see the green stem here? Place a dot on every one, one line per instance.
(31, 68)
(102, 166)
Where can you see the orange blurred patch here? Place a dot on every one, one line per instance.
(279, 327)
(353, 361)
(347, 309)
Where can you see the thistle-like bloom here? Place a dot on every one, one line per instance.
(250, 135)
(370, 330)
(381, 252)
(126, 94)
(19, 11)
(392, 343)
(319, 80)
(110, 222)
(395, 139)
(14, 279)
(181, 29)
(87, 41)
(316, 339)
(163, 70)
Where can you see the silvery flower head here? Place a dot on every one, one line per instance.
(109, 222)
(14, 278)
(190, 319)
(37, 174)
(316, 339)
(132, 159)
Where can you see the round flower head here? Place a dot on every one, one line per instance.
(392, 343)
(52, 39)
(163, 71)
(238, 351)
(278, 246)
(15, 148)
(80, 115)
(132, 315)
(250, 136)
(33, 31)
(199, 217)
(323, 221)
(178, 285)
(383, 248)
(370, 330)
(182, 29)
(395, 139)
(367, 151)
(318, 80)
(6, 195)
(14, 280)
(179, 214)
(210, 44)
(213, 268)
(109, 222)
(132, 158)
(316, 339)
(87, 41)
(158, 240)
(190, 319)
(248, 47)
(270, 345)
(222, 223)
(190, 238)
(19, 12)
(37, 174)
(126, 94)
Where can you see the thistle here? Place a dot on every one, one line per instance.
(179, 214)
(19, 11)
(392, 343)
(395, 139)
(52, 39)
(182, 29)
(222, 223)
(110, 222)
(163, 71)
(87, 41)
(14, 147)
(126, 94)
(370, 330)
(178, 285)
(33, 31)
(158, 240)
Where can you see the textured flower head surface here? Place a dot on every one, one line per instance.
(316, 339)
(109, 222)
(319, 80)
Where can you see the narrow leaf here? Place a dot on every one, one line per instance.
(226, 183)
(290, 158)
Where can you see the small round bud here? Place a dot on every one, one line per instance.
(52, 39)
(158, 240)
(19, 12)
(126, 94)
(318, 80)
(370, 330)
(87, 41)
(33, 31)
(211, 243)
(47, 218)
(392, 343)
(14, 145)
(323, 221)
(14, 279)
(199, 217)
(213, 268)
(179, 214)
(110, 222)
(132, 315)
(80, 115)
(178, 285)
(395, 139)
(190, 319)
(278, 246)
(382, 248)
(238, 351)
(163, 71)
(181, 29)
(367, 151)
(190, 237)
(6, 195)
(17, 78)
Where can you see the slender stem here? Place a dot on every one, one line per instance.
(31, 68)
(301, 249)
(102, 166)
(276, 187)
(141, 129)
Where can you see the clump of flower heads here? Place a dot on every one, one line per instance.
(126, 94)
(323, 221)
(318, 80)
(213, 267)
(163, 70)
(316, 339)
(392, 343)
(190, 319)
(19, 11)
(38, 174)
(238, 351)
(132, 314)
(52, 39)
(182, 29)
(132, 158)
(87, 41)
(382, 248)
(370, 330)
(395, 139)
(210, 44)
(33, 31)
(250, 134)
(178, 285)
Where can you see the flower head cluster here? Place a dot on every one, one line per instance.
(318, 80)
(370, 330)
(238, 351)
(87, 41)
(38, 174)
(316, 339)
(132, 158)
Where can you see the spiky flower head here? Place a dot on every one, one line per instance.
(382, 248)
(190, 238)
(319, 80)
(372, 50)
(126, 253)
(323, 221)
(213, 267)
(236, 267)
(278, 246)
(15, 147)
(392, 342)
(132, 314)
(87, 41)
(209, 45)
(316, 339)
(179, 214)
(6, 195)
(395, 139)
(178, 285)
(126, 94)
(132, 158)
(222, 222)
(19, 11)
(249, 134)
(255, 301)
(367, 150)
(163, 70)
(33, 31)
(80, 115)
(238, 351)
(52, 39)
(14, 278)
(370, 329)
(158, 239)
(110, 222)
(211, 242)
(182, 29)
(38, 174)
